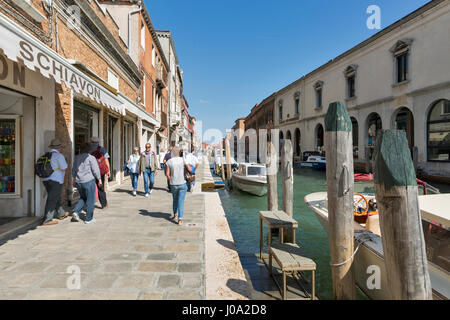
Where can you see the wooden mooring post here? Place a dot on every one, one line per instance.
(228, 160)
(339, 151)
(400, 222)
(272, 171)
(287, 183)
(222, 162)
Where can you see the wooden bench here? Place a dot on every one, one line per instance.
(275, 220)
(290, 259)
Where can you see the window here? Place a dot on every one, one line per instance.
(143, 35)
(350, 75)
(153, 55)
(439, 132)
(144, 91)
(113, 79)
(297, 102)
(402, 67)
(401, 51)
(280, 109)
(318, 87)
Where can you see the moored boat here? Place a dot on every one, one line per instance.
(251, 178)
(436, 226)
(315, 162)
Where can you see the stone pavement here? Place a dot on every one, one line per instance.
(133, 251)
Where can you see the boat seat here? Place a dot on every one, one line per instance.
(291, 260)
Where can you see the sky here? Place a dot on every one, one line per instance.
(234, 54)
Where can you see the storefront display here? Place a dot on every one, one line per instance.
(8, 170)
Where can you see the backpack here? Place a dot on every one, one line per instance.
(101, 161)
(43, 167)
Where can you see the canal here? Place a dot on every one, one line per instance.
(242, 213)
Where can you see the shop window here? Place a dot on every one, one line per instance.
(86, 124)
(9, 155)
(439, 132)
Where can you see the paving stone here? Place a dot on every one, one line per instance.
(183, 248)
(59, 280)
(101, 281)
(184, 295)
(192, 281)
(124, 256)
(12, 294)
(108, 295)
(25, 280)
(169, 281)
(31, 267)
(189, 257)
(151, 296)
(161, 256)
(118, 267)
(189, 267)
(149, 248)
(136, 281)
(51, 294)
(156, 266)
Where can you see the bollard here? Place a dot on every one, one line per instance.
(287, 184)
(400, 221)
(339, 151)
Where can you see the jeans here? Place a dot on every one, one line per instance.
(163, 167)
(134, 180)
(102, 193)
(178, 194)
(148, 175)
(87, 197)
(53, 204)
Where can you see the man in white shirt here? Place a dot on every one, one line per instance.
(53, 185)
(192, 160)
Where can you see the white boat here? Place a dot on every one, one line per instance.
(436, 225)
(251, 178)
(315, 162)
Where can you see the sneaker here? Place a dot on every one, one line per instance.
(147, 194)
(151, 190)
(75, 217)
(134, 193)
(90, 221)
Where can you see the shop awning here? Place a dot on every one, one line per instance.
(18, 45)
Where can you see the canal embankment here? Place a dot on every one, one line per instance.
(224, 274)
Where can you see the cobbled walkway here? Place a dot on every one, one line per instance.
(133, 251)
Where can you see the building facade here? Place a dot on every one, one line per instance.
(397, 79)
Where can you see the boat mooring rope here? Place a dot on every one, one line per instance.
(360, 239)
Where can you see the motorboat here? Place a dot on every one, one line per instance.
(315, 162)
(251, 178)
(436, 227)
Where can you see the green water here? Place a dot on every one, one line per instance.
(242, 213)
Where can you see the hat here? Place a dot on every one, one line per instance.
(95, 139)
(55, 143)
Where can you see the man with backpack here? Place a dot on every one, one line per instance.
(102, 157)
(51, 167)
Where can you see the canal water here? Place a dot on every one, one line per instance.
(242, 210)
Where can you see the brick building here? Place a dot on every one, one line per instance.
(67, 71)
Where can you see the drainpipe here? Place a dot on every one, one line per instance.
(129, 22)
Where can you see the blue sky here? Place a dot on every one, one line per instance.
(236, 53)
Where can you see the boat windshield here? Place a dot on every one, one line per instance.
(256, 171)
(437, 239)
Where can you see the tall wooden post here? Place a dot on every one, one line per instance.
(287, 183)
(272, 171)
(339, 151)
(400, 222)
(222, 162)
(227, 159)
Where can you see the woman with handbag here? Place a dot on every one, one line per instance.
(133, 166)
(175, 172)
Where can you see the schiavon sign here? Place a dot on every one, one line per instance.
(19, 46)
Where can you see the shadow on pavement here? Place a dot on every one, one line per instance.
(159, 215)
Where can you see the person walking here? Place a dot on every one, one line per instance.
(133, 163)
(102, 156)
(175, 173)
(191, 160)
(86, 171)
(167, 158)
(148, 168)
(161, 156)
(53, 185)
